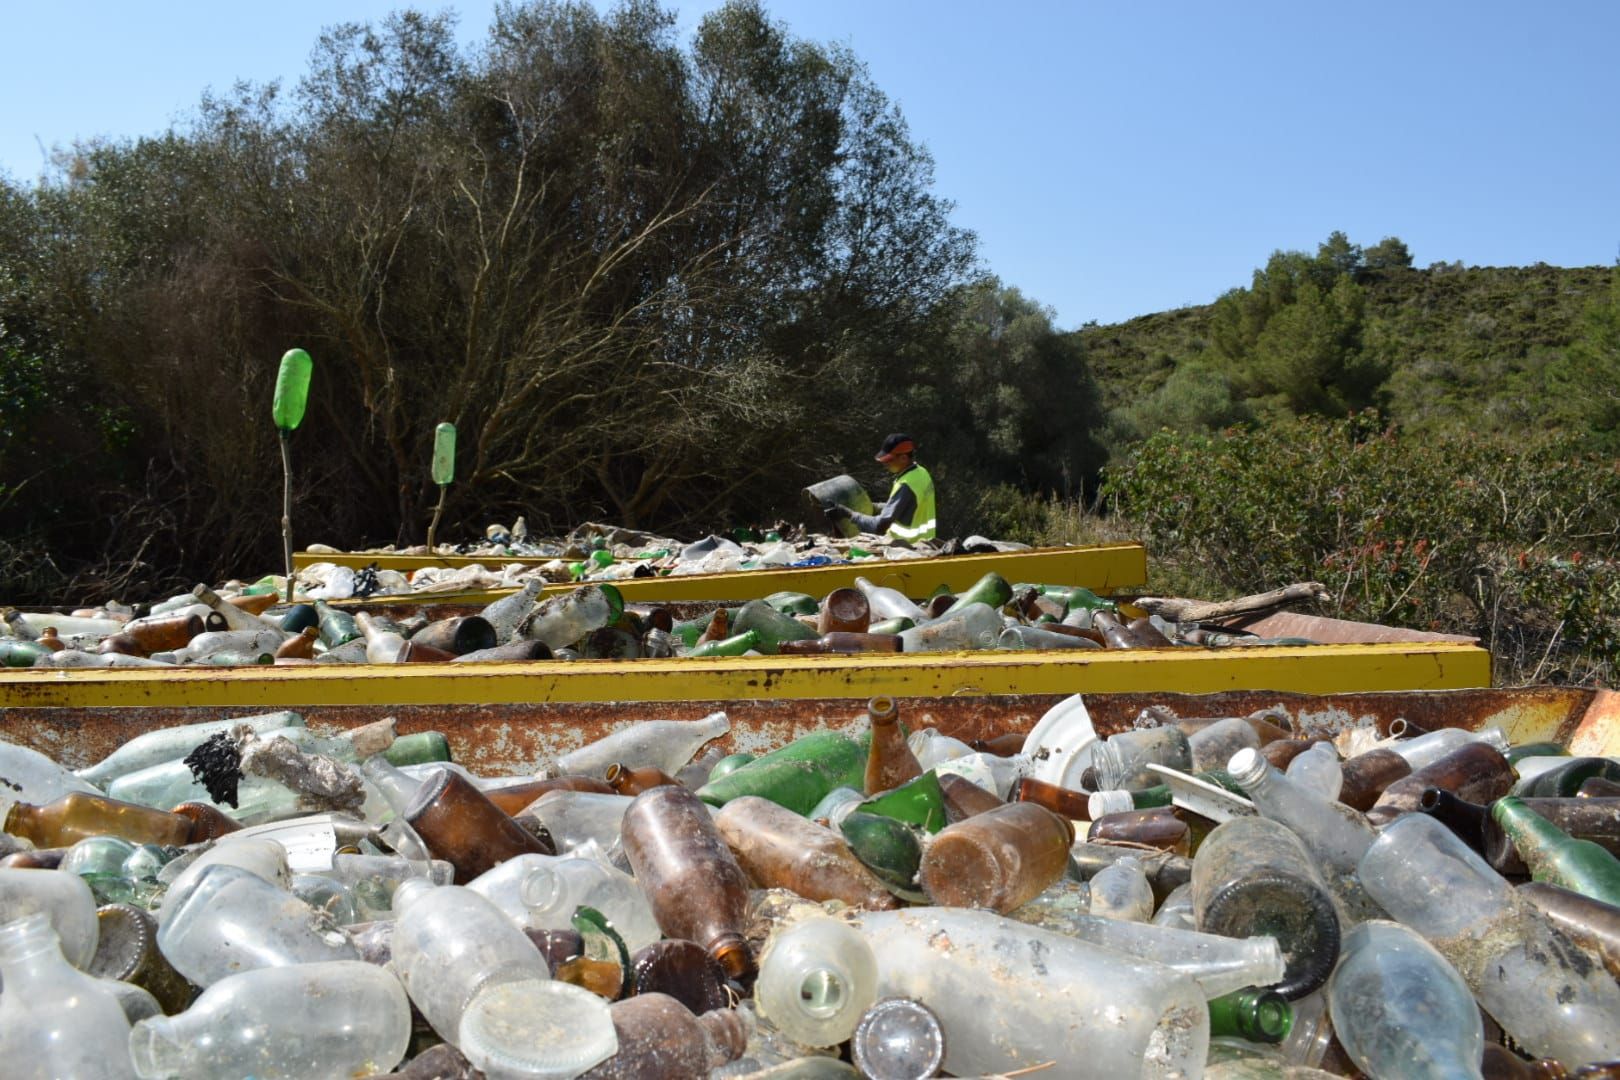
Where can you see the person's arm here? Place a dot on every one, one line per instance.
(900, 507)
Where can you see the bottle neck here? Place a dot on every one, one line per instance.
(23, 820)
(27, 946)
(1530, 832)
(156, 1047)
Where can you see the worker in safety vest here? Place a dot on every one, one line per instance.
(909, 513)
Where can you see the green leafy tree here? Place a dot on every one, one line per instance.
(1390, 253)
(1311, 353)
(1585, 382)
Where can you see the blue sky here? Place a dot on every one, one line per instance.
(1114, 159)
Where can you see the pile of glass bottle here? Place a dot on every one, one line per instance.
(1219, 897)
(246, 627)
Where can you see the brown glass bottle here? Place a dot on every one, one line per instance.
(634, 781)
(441, 1062)
(519, 797)
(1115, 635)
(841, 642)
(718, 628)
(1597, 787)
(161, 635)
(77, 815)
(1367, 775)
(1465, 819)
(1477, 772)
(781, 850)
(208, 822)
(1156, 828)
(1006, 744)
(120, 643)
(462, 826)
(254, 604)
(415, 652)
(844, 610)
(50, 639)
(1590, 923)
(964, 798)
(659, 1038)
(1279, 752)
(682, 969)
(692, 881)
(301, 646)
(889, 761)
(1148, 635)
(999, 859)
(1074, 631)
(1597, 820)
(127, 950)
(1500, 1063)
(1065, 802)
(42, 859)
(511, 652)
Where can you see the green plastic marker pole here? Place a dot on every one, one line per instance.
(292, 394)
(444, 471)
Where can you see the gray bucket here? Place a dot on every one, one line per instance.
(843, 490)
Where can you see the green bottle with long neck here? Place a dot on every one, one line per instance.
(1555, 857)
(336, 627)
(772, 626)
(797, 776)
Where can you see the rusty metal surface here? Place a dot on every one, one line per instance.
(1333, 631)
(515, 738)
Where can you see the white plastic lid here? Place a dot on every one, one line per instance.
(1061, 742)
(536, 1029)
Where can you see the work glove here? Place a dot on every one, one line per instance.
(835, 511)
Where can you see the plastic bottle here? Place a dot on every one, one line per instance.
(999, 859)
(1091, 1008)
(1254, 876)
(231, 920)
(696, 889)
(55, 1021)
(658, 744)
(889, 761)
(336, 1019)
(779, 849)
(816, 977)
(1399, 1009)
(1544, 991)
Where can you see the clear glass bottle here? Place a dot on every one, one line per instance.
(898, 1039)
(779, 849)
(563, 620)
(382, 645)
(55, 1021)
(575, 818)
(1119, 1015)
(696, 889)
(1122, 892)
(886, 603)
(1176, 911)
(658, 744)
(174, 743)
(974, 626)
(64, 898)
(1317, 769)
(816, 977)
(318, 1020)
(505, 614)
(1541, 987)
(1121, 760)
(231, 920)
(1254, 877)
(1335, 835)
(33, 777)
(999, 859)
(536, 1029)
(1399, 1009)
(1213, 745)
(1431, 746)
(541, 892)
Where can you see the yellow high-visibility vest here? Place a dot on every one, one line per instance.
(922, 525)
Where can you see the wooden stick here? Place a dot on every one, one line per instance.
(1178, 609)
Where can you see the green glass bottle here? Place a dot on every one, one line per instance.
(1514, 754)
(18, 653)
(891, 626)
(1081, 597)
(794, 603)
(1565, 780)
(888, 848)
(1555, 857)
(687, 631)
(797, 776)
(1255, 1014)
(772, 626)
(728, 765)
(991, 589)
(919, 802)
(735, 645)
(418, 748)
(337, 627)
